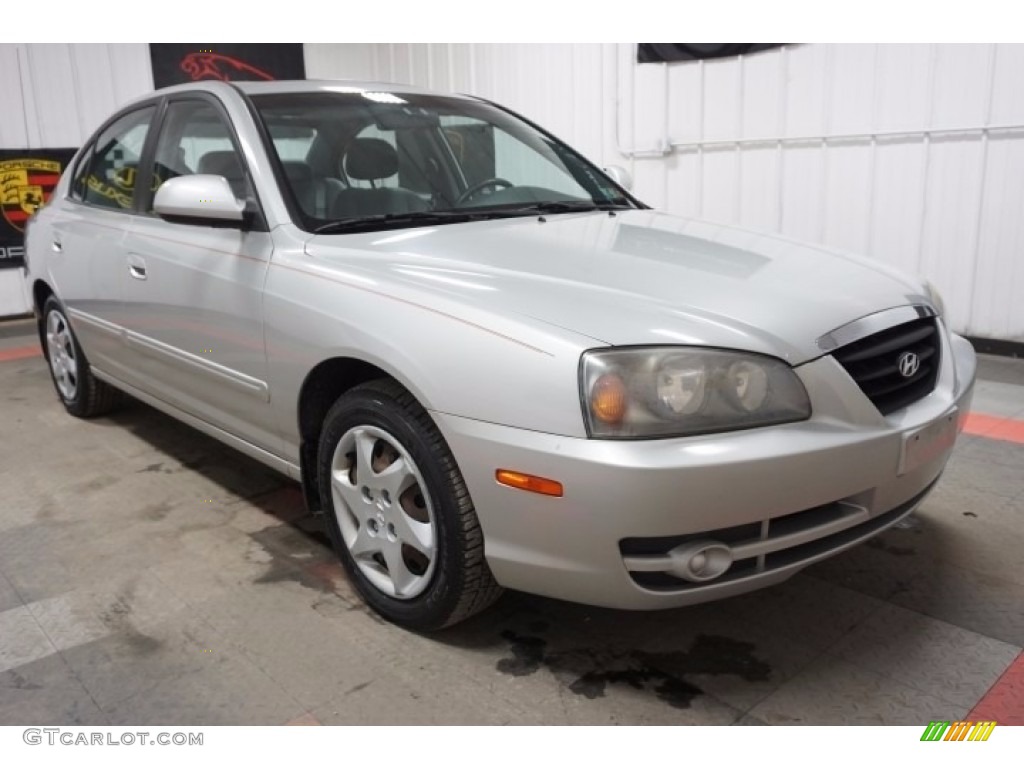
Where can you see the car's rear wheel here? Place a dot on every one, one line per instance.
(82, 394)
(398, 511)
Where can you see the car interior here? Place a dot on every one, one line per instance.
(348, 158)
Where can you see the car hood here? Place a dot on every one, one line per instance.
(636, 277)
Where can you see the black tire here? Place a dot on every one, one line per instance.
(458, 582)
(89, 397)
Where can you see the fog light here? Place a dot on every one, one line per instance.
(700, 560)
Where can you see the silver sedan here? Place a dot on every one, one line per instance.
(487, 363)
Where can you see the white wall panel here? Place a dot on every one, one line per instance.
(948, 255)
(905, 82)
(130, 71)
(720, 201)
(1008, 87)
(95, 88)
(62, 92)
(763, 98)
(811, 155)
(807, 87)
(460, 68)
(758, 192)
(51, 78)
(351, 61)
(723, 115)
(851, 88)
(56, 95)
(898, 204)
(963, 81)
(588, 134)
(685, 105)
(802, 202)
(847, 196)
(997, 302)
(13, 126)
(681, 187)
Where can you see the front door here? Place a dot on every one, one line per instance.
(193, 293)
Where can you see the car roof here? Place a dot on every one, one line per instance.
(254, 87)
(305, 86)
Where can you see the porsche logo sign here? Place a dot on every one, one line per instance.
(25, 185)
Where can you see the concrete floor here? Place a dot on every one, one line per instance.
(150, 575)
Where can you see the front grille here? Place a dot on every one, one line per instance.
(874, 363)
(777, 543)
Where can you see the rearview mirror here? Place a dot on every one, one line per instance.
(198, 199)
(620, 176)
(392, 117)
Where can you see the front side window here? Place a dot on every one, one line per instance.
(106, 175)
(360, 159)
(293, 143)
(194, 138)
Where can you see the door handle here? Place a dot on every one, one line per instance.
(57, 247)
(136, 267)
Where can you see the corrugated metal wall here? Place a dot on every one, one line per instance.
(845, 145)
(63, 92)
(912, 154)
(56, 95)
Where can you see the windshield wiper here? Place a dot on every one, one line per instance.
(388, 219)
(570, 206)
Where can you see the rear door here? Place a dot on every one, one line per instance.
(88, 234)
(193, 293)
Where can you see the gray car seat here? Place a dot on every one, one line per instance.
(316, 196)
(372, 160)
(226, 163)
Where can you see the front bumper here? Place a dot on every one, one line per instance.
(791, 494)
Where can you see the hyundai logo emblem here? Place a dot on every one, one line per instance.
(908, 364)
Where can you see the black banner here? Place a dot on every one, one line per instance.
(647, 53)
(175, 63)
(27, 179)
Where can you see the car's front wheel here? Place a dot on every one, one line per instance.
(82, 393)
(398, 511)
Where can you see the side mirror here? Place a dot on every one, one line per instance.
(620, 176)
(199, 199)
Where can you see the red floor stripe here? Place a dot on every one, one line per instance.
(19, 353)
(995, 427)
(1004, 701)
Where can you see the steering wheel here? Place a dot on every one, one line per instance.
(475, 189)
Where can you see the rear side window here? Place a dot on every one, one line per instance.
(106, 176)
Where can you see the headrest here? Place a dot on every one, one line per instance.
(297, 171)
(222, 163)
(369, 159)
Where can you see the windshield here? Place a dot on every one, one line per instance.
(353, 159)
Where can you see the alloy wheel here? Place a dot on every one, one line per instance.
(61, 350)
(384, 512)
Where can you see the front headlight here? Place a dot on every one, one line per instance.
(671, 391)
